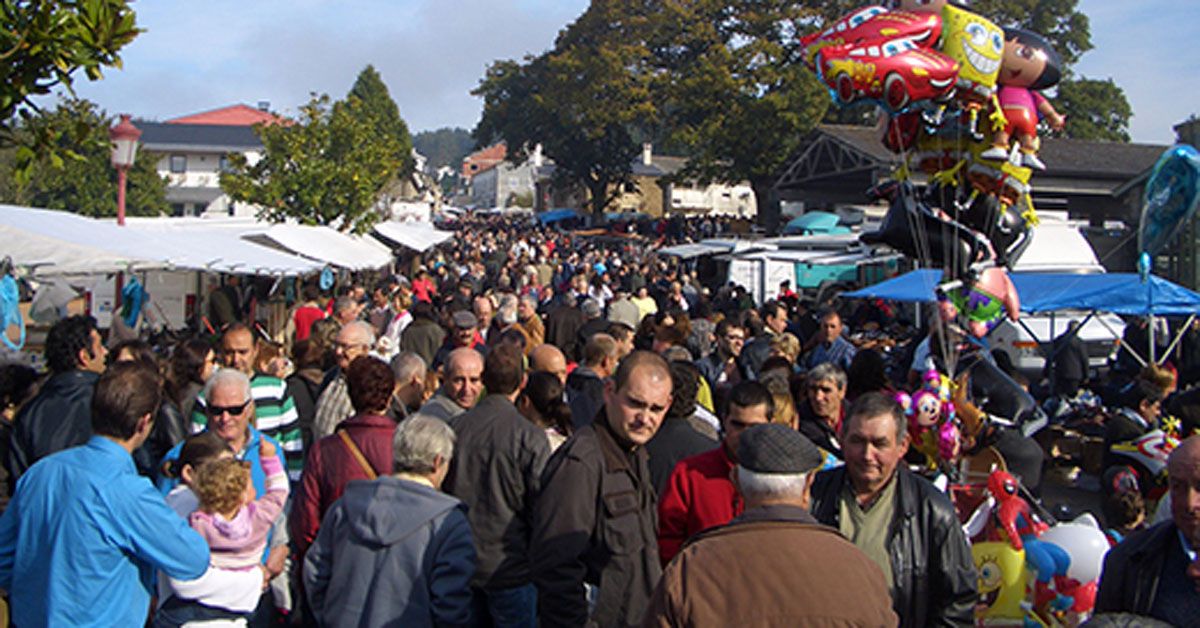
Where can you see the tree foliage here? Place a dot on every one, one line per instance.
(733, 87)
(445, 146)
(42, 45)
(377, 102)
(83, 181)
(1098, 110)
(587, 101)
(327, 168)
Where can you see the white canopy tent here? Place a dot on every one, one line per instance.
(330, 246)
(51, 242)
(218, 246)
(417, 236)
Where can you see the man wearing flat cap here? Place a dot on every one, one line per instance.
(464, 332)
(773, 564)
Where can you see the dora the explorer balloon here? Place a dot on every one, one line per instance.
(1030, 64)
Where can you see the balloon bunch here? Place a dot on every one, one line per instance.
(1028, 569)
(932, 423)
(936, 68)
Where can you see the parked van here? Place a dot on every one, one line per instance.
(1057, 247)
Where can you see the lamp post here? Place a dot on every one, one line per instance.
(124, 138)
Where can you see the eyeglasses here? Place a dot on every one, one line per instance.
(215, 411)
(346, 346)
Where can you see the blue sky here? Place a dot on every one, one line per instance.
(203, 55)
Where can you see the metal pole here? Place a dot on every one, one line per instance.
(121, 177)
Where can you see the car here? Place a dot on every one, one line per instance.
(874, 24)
(896, 73)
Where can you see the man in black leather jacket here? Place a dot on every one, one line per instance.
(900, 520)
(60, 416)
(1153, 573)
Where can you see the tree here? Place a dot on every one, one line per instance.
(42, 44)
(587, 101)
(1097, 110)
(327, 168)
(84, 182)
(734, 90)
(377, 102)
(444, 147)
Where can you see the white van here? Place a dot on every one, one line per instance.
(1057, 246)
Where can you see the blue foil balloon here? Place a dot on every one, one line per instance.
(1172, 196)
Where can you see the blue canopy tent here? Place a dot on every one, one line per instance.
(557, 215)
(1119, 293)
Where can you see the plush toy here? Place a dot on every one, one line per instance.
(1030, 64)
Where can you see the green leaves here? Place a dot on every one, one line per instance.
(72, 172)
(42, 44)
(332, 165)
(1095, 110)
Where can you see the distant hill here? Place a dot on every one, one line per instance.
(444, 147)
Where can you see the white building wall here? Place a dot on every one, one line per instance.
(719, 199)
(200, 177)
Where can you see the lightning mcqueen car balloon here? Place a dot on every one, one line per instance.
(874, 24)
(896, 73)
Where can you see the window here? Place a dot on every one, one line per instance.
(224, 165)
(178, 164)
(177, 210)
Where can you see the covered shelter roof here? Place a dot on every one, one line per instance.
(1118, 293)
(1092, 180)
(326, 245)
(414, 235)
(50, 242)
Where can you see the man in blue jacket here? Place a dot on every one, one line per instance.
(84, 532)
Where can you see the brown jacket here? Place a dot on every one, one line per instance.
(772, 566)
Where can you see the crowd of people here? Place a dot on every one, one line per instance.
(519, 428)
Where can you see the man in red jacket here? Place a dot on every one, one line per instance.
(700, 493)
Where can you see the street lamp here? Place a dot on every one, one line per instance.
(124, 138)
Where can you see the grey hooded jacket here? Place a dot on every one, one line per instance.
(391, 552)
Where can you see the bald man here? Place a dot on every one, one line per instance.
(547, 358)
(462, 381)
(1155, 573)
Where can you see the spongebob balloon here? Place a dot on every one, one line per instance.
(1002, 580)
(978, 46)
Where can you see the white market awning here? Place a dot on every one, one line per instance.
(52, 242)
(330, 246)
(219, 247)
(419, 237)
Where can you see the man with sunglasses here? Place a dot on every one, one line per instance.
(229, 410)
(274, 409)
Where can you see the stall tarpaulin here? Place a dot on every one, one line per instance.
(333, 247)
(1118, 293)
(417, 236)
(50, 242)
(219, 247)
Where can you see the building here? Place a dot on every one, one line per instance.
(1100, 183)
(655, 190)
(193, 150)
(505, 184)
(483, 159)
